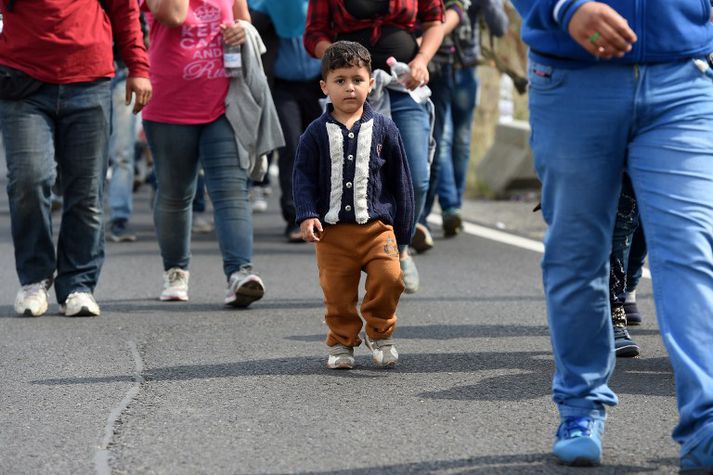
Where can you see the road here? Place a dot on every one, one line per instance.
(185, 388)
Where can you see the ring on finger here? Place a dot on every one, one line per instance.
(594, 37)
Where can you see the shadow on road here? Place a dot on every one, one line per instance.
(449, 332)
(505, 464)
(530, 379)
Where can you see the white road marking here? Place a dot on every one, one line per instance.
(505, 238)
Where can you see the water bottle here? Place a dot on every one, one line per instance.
(232, 61)
(402, 73)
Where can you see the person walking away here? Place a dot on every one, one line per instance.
(354, 199)
(296, 93)
(610, 93)
(186, 126)
(625, 268)
(122, 151)
(388, 29)
(454, 86)
(56, 63)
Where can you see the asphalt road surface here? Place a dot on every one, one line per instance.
(186, 388)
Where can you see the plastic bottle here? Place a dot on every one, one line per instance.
(402, 73)
(232, 60)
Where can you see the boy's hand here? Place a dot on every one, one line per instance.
(310, 228)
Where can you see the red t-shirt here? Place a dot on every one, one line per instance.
(187, 72)
(69, 41)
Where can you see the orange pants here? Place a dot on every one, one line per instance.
(344, 251)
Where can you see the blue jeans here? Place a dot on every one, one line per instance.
(588, 126)
(454, 98)
(121, 152)
(63, 127)
(412, 120)
(177, 150)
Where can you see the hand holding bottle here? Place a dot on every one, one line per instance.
(402, 73)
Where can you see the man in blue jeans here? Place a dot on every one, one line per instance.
(66, 119)
(615, 86)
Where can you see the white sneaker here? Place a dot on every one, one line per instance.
(201, 225)
(340, 357)
(80, 304)
(257, 196)
(31, 300)
(244, 288)
(383, 352)
(175, 285)
(410, 275)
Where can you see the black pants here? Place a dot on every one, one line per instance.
(297, 104)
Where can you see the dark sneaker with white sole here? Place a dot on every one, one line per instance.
(633, 316)
(120, 231)
(244, 288)
(624, 346)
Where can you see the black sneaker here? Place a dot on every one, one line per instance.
(633, 317)
(293, 234)
(452, 224)
(624, 346)
(119, 231)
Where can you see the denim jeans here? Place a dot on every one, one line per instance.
(454, 94)
(412, 120)
(626, 260)
(63, 127)
(177, 150)
(121, 151)
(588, 126)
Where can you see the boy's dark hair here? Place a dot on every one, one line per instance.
(345, 54)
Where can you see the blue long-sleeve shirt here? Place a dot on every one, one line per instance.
(667, 30)
(354, 176)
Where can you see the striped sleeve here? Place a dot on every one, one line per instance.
(564, 9)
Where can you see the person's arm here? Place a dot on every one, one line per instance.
(126, 29)
(495, 17)
(454, 15)
(241, 11)
(305, 177)
(430, 42)
(399, 183)
(234, 34)
(599, 29)
(317, 36)
(170, 13)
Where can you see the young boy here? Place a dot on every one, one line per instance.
(354, 199)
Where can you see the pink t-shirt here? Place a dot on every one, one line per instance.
(187, 74)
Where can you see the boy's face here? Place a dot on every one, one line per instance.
(347, 88)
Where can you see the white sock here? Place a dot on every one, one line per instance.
(630, 297)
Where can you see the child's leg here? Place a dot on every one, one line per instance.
(383, 283)
(339, 273)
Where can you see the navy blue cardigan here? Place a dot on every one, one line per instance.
(354, 176)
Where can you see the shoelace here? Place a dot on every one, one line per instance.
(620, 332)
(176, 277)
(32, 290)
(577, 427)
